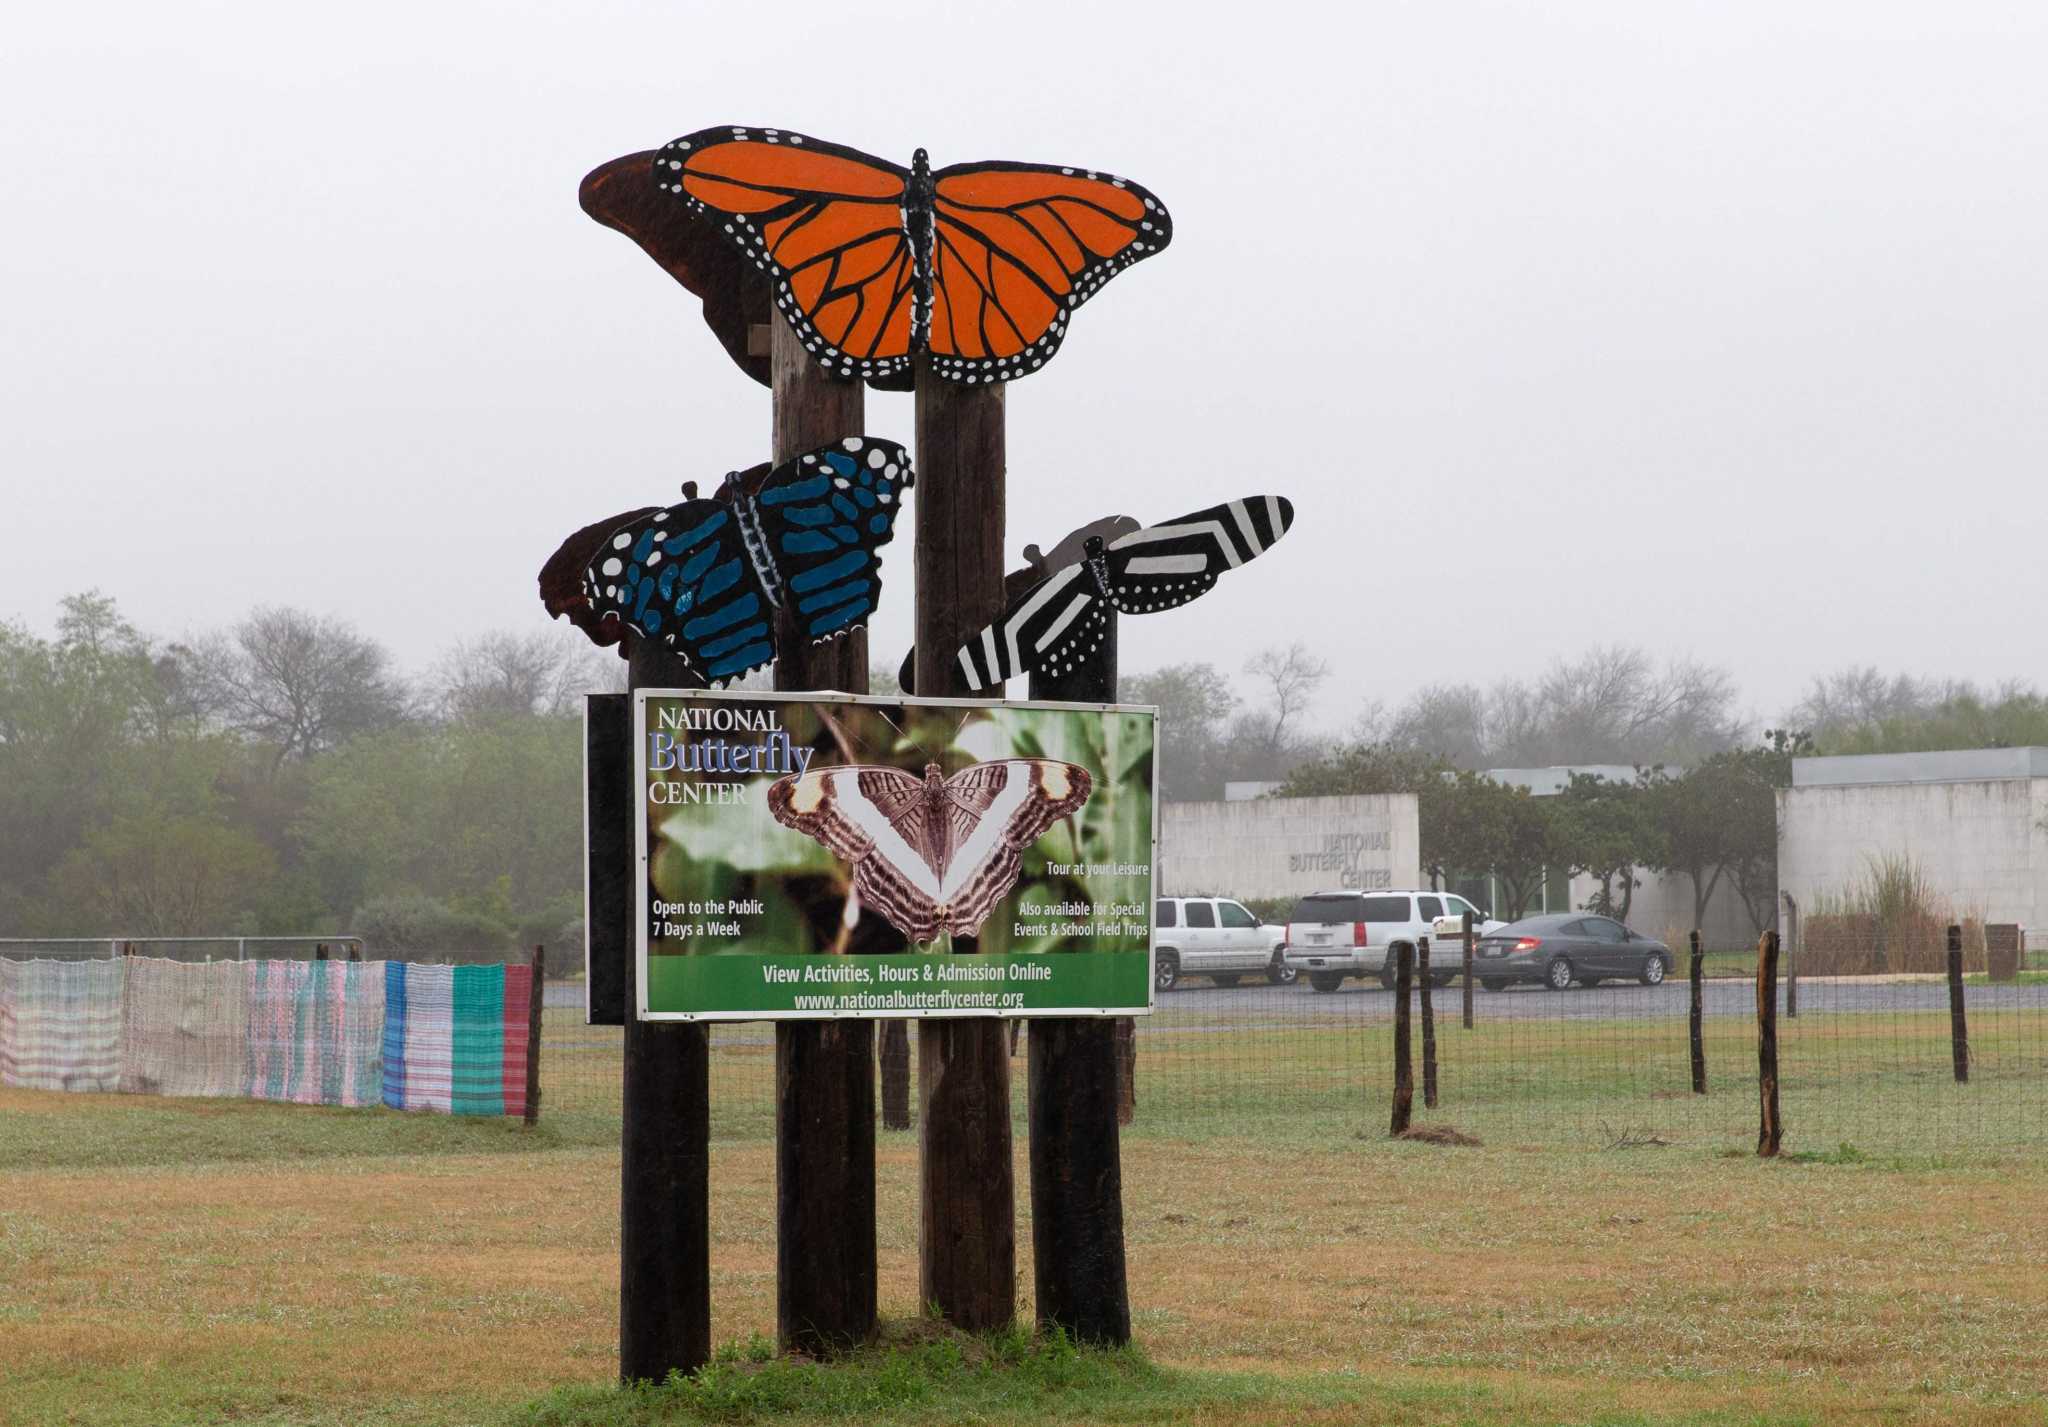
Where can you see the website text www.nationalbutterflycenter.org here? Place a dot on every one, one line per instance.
(854, 979)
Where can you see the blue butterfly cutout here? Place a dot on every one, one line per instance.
(709, 577)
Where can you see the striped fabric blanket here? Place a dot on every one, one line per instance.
(315, 1031)
(446, 1038)
(455, 1038)
(60, 1024)
(184, 1028)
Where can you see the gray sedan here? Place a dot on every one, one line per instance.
(1563, 947)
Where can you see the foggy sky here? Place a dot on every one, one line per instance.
(1718, 328)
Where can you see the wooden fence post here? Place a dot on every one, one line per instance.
(533, 1025)
(1958, 1020)
(1791, 958)
(825, 1266)
(664, 1157)
(1428, 1024)
(1467, 957)
(967, 1231)
(1770, 1133)
(1699, 1046)
(1404, 1069)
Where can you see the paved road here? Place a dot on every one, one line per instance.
(1197, 1001)
(1604, 1002)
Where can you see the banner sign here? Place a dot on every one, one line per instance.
(805, 856)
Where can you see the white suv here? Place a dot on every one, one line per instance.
(1214, 937)
(1332, 935)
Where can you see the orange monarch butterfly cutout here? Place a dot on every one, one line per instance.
(981, 265)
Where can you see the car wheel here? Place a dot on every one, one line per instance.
(1326, 980)
(1439, 982)
(1390, 970)
(1166, 970)
(1653, 970)
(1225, 978)
(1558, 975)
(1493, 983)
(1279, 973)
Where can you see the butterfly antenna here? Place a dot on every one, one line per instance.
(838, 734)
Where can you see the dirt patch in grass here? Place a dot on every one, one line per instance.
(1437, 1135)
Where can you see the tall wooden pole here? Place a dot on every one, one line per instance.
(1077, 1185)
(664, 1157)
(825, 1280)
(967, 1232)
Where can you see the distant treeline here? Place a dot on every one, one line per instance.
(282, 776)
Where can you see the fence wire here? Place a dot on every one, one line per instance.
(1866, 1063)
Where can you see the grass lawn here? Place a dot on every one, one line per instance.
(176, 1261)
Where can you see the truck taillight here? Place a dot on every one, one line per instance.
(1358, 937)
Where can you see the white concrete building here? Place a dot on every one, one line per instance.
(1284, 847)
(1251, 845)
(1974, 820)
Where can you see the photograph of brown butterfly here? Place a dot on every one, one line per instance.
(932, 854)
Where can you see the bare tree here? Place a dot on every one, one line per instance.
(504, 673)
(1612, 704)
(1448, 721)
(1291, 676)
(299, 682)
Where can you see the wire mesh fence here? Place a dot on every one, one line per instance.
(1866, 1061)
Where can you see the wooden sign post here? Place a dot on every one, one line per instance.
(1077, 1185)
(664, 1159)
(824, 1070)
(967, 1231)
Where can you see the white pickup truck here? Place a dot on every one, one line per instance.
(1332, 935)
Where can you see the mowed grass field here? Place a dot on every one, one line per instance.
(168, 1261)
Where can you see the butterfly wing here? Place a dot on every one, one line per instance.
(875, 820)
(826, 224)
(1166, 565)
(565, 585)
(1003, 807)
(1056, 622)
(682, 575)
(823, 516)
(1016, 248)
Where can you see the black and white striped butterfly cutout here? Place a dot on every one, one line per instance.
(1060, 621)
